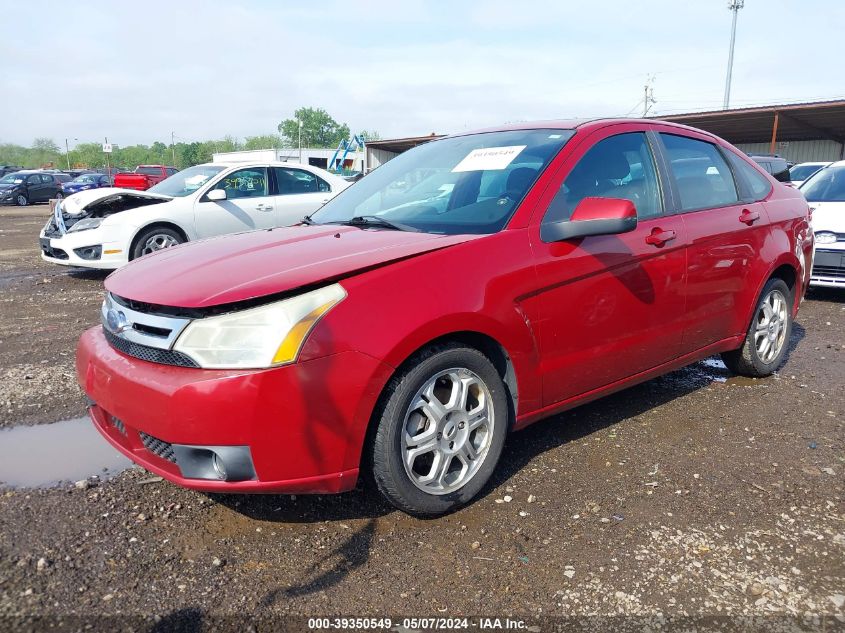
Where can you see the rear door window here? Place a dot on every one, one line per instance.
(702, 175)
(294, 181)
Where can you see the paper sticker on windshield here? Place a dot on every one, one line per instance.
(489, 158)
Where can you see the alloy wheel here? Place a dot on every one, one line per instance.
(447, 431)
(771, 326)
(157, 242)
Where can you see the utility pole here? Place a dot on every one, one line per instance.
(734, 6)
(173, 147)
(648, 95)
(67, 154)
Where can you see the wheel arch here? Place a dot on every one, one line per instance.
(785, 268)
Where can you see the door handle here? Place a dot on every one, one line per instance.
(749, 217)
(659, 237)
(264, 207)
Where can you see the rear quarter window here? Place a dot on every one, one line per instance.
(757, 184)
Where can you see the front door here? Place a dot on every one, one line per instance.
(612, 306)
(248, 204)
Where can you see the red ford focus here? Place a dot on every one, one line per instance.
(465, 289)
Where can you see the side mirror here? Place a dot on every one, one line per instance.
(593, 216)
(216, 195)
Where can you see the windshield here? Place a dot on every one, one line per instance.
(186, 181)
(85, 179)
(802, 172)
(827, 185)
(11, 179)
(462, 184)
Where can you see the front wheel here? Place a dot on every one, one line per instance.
(766, 342)
(440, 431)
(155, 239)
(21, 200)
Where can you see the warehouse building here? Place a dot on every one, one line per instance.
(799, 132)
(316, 157)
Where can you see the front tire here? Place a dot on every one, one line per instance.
(154, 239)
(767, 340)
(21, 200)
(440, 431)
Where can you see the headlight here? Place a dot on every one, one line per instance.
(85, 225)
(825, 237)
(260, 337)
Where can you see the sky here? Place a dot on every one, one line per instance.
(136, 71)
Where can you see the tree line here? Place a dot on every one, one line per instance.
(318, 130)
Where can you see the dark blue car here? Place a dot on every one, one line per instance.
(85, 181)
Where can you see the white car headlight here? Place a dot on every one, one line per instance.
(825, 237)
(85, 225)
(257, 338)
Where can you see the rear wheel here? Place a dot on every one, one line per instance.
(766, 342)
(440, 432)
(21, 200)
(155, 239)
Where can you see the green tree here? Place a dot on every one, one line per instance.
(369, 135)
(319, 129)
(45, 151)
(264, 141)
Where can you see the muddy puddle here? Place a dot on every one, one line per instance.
(50, 454)
(708, 371)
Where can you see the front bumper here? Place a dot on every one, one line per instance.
(828, 267)
(62, 250)
(303, 424)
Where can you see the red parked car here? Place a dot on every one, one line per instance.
(144, 177)
(465, 289)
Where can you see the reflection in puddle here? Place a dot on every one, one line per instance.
(44, 455)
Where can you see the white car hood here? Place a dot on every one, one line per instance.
(828, 216)
(76, 203)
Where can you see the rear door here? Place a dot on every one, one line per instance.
(612, 305)
(248, 204)
(297, 193)
(726, 231)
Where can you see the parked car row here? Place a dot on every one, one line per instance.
(466, 288)
(29, 186)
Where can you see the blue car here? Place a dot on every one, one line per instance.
(85, 181)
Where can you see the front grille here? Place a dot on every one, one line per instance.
(55, 253)
(149, 354)
(828, 271)
(158, 447)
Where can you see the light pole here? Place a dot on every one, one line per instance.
(300, 140)
(734, 6)
(173, 147)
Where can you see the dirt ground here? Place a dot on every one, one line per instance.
(697, 494)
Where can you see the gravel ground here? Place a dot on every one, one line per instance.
(696, 494)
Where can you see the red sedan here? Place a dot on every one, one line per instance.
(463, 290)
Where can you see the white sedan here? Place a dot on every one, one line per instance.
(802, 171)
(106, 228)
(825, 192)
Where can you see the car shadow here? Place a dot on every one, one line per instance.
(521, 448)
(821, 293)
(88, 274)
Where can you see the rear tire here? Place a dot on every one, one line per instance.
(154, 239)
(440, 431)
(767, 340)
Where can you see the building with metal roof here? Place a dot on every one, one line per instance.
(799, 132)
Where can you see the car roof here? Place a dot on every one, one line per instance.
(580, 124)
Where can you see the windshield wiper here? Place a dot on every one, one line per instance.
(375, 220)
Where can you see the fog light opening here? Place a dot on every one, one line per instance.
(219, 466)
(89, 252)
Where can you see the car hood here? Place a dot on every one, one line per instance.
(5, 187)
(78, 202)
(249, 265)
(828, 216)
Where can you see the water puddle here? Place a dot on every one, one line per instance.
(48, 454)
